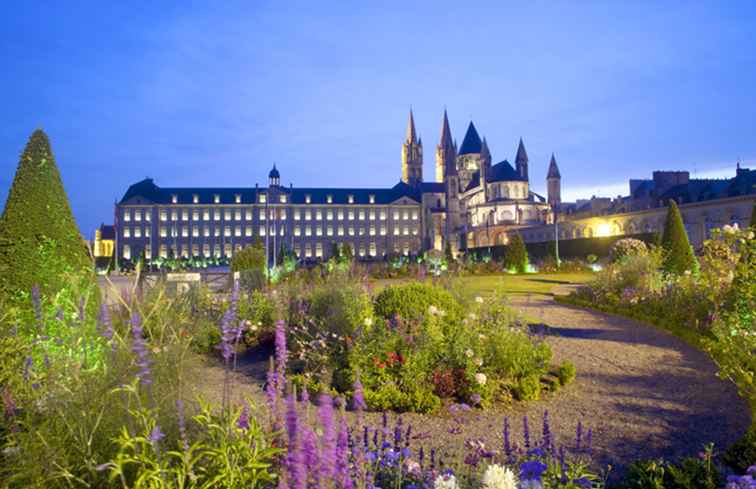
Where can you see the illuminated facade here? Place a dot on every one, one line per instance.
(410, 217)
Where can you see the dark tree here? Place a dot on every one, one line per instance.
(678, 253)
(40, 243)
(516, 255)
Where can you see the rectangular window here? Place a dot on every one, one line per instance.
(371, 199)
(308, 231)
(248, 231)
(351, 230)
(297, 214)
(406, 214)
(383, 230)
(184, 232)
(372, 230)
(163, 232)
(185, 215)
(308, 199)
(227, 215)
(195, 232)
(319, 230)
(329, 214)
(137, 215)
(195, 250)
(237, 198)
(383, 215)
(361, 230)
(282, 199)
(126, 232)
(318, 214)
(362, 251)
(147, 231)
(340, 215)
(216, 199)
(206, 231)
(137, 232)
(195, 199)
(227, 231)
(148, 216)
(319, 250)
(206, 250)
(262, 199)
(217, 215)
(127, 252)
(329, 199)
(373, 249)
(396, 230)
(414, 215)
(262, 230)
(372, 215)
(308, 215)
(308, 250)
(163, 215)
(174, 199)
(237, 215)
(195, 215)
(174, 216)
(362, 215)
(406, 231)
(148, 251)
(296, 231)
(297, 250)
(205, 214)
(227, 250)
(216, 231)
(350, 199)
(237, 231)
(351, 215)
(329, 230)
(262, 214)
(341, 230)
(163, 251)
(283, 214)
(414, 232)
(396, 215)
(248, 214)
(217, 250)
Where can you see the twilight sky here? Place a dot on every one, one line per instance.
(192, 94)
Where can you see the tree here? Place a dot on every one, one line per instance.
(335, 251)
(448, 252)
(250, 263)
(516, 256)
(346, 252)
(40, 243)
(678, 253)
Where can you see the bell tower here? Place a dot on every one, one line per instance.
(412, 155)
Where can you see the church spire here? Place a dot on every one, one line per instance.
(446, 137)
(553, 168)
(554, 184)
(446, 152)
(411, 133)
(521, 161)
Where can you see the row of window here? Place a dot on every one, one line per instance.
(262, 198)
(236, 214)
(228, 231)
(302, 251)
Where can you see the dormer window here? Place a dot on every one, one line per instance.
(308, 199)
(174, 199)
(195, 199)
(350, 199)
(262, 198)
(237, 198)
(329, 199)
(371, 198)
(282, 198)
(216, 199)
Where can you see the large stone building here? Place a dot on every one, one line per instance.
(414, 215)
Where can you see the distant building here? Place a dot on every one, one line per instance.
(470, 193)
(104, 241)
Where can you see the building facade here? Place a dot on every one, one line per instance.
(414, 215)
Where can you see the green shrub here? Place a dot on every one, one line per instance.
(742, 453)
(516, 257)
(40, 243)
(412, 301)
(250, 262)
(626, 247)
(690, 473)
(259, 313)
(566, 372)
(678, 253)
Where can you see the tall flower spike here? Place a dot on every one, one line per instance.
(342, 456)
(328, 439)
(139, 348)
(295, 464)
(526, 432)
(547, 437)
(182, 425)
(507, 441)
(282, 355)
(243, 422)
(37, 304)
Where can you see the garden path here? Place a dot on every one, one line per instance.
(644, 392)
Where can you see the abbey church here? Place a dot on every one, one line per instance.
(469, 197)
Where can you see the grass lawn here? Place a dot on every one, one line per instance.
(531, 283)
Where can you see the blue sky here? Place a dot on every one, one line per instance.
(201, 95)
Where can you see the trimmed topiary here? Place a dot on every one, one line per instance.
(40, 243)
(678, 253)
(414, 300)
(516, 256)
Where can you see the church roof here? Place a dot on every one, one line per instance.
(107, 231)
(274, 173)
(472, 142)
(503, 172)
(147, 192)
(553, 168)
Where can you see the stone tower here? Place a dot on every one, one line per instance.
(521, 161)
(412, 155)
(554, 183)
(446, 152)
(485, 168)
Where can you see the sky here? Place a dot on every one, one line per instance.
(213, 93)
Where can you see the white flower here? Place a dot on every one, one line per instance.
(433, 310)
(481, 336)
(368, 322)
(478, 362)
(445, 481)
(473, 316)
(469, 353)
(479, 299)
(481, 378)
(499, 477)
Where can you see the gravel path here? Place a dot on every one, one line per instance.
(644, 393)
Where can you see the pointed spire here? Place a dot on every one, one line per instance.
(522, 155)
(411, 134)
(446, 138)
(553, 168)
(484, 151)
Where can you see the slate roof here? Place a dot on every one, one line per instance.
(553, 168)
(107, 231)
(148, 192)
(472, 142)
(503, 172)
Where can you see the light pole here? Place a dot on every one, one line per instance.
(556, 236)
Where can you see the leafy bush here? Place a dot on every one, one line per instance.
(250, 262)
(566, 372)
(678, 253)
(40, 243)
(516, 257)
(690, 473)
(412, 301)
(626, 247)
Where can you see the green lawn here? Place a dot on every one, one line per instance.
(532, 283)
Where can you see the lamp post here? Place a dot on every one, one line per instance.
(556, 236)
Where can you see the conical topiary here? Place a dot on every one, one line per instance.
(678, 254)
(516, 256)
(40, 243)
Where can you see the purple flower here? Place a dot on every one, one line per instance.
(310, 453)
(243, 422)
(295, 464)
(156, 435)
(281, 355)
(507, 442)
(182, 425)
(28, 362)
(579, 436)
(358, 398)
(105, 325)
(228, 329)
(526, 432)
(342, 456)
(139, 347)
(532, 470)
(547, 441)
(37, 304)
(328, 439)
